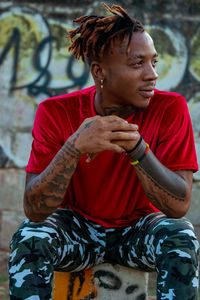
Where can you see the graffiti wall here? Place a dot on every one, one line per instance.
(35, 64)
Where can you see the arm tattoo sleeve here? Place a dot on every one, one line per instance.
(45, 192)
(164, 188)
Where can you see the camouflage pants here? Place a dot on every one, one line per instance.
(67, 241)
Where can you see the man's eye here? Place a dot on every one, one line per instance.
(137, 64)
(155, 62)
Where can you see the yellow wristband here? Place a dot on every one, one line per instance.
(133, 163)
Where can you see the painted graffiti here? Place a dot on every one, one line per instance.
(173, 56)
(77, 287)
(101, 282)
(195, 58)
(39, 45)
(42, 64)
(35, 64)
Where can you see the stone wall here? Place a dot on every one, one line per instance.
(35, 64)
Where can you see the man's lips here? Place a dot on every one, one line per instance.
(147, 93)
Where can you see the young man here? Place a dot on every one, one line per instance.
(110, 172)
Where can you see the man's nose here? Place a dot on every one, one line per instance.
(150, 73)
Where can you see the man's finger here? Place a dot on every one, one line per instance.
(122, 135)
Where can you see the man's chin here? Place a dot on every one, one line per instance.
(144, 104)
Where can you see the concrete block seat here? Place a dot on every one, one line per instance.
(102, 282)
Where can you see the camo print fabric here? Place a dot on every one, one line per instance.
(66, 241)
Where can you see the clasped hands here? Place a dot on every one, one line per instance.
(97, 134)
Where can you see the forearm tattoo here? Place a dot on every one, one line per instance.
(162, 186)
(45, 192)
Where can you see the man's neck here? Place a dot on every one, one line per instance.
(104, 109)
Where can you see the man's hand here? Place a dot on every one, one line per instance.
(98, 134)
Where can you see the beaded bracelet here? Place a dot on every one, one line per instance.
(133, 163)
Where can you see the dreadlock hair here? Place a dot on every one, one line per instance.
(96, 33)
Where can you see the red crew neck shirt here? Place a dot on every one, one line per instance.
(107, 190)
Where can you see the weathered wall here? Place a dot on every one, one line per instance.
(35, 64)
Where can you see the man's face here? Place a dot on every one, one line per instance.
(130, 77)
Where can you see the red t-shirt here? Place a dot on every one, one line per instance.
(107, 189)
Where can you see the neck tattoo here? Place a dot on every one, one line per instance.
(117, 110)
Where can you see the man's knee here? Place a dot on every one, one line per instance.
(177, 238)
(34, 239)
(177, 258)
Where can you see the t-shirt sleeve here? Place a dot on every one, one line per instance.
(176, 147)
(48, 136)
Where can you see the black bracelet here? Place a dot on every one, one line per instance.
(138, 143)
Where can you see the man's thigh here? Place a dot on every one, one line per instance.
(140, 245)
(83, 241)
(65, 240)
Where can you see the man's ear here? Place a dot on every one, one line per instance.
(97, 71)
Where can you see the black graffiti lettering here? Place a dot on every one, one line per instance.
(34, 88)
(108, 280)
(42, 83)
(81, 277)
(14, 41)
(90, 296)
(80, 80)
(131, 288)
(5, 160)
(73, 276)
(44, 75)
(141, 297)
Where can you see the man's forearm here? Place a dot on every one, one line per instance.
(45, 192)
(164, 188)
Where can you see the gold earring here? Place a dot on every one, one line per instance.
(101, 83)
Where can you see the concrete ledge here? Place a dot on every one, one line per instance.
(102, 282)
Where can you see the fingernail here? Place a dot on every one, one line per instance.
(135, 126)
(134, 134)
